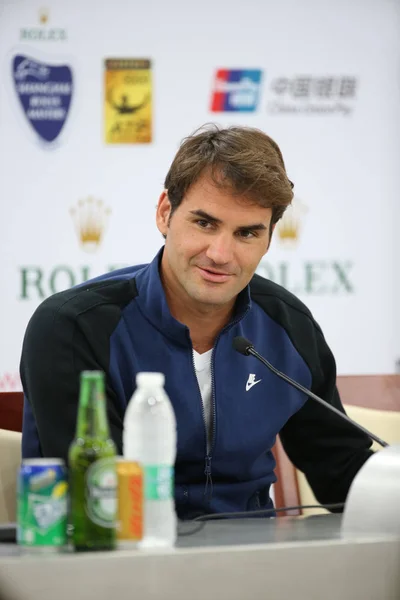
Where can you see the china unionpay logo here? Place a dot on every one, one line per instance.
(236, 90)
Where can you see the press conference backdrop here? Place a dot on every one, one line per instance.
(95, 98)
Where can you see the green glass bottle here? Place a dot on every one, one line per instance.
(92, 470)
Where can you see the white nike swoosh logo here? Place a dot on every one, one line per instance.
(250, 384)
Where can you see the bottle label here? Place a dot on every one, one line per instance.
(158, 482)
(101, 492)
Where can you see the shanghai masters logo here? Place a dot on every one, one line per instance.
(128, 101)
(44, 91)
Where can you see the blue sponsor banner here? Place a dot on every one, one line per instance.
(45, 93)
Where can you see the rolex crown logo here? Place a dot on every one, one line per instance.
(43, 16)
(90, 219)
(288, 230)
(289, 227)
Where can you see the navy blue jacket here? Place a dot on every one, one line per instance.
(120, 323)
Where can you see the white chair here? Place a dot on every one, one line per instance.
(372, 401)
(10, 460)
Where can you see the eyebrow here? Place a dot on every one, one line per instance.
(203, 215)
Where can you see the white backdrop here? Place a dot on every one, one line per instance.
(328, 93)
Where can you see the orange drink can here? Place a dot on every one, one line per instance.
(130, 503)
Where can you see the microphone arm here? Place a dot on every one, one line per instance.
(250, 350)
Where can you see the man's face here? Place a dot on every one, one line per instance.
(214, 243)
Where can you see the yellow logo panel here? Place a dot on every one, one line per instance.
(128, 101)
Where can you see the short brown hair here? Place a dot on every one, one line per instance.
(243, 160)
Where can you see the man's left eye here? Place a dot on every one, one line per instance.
(202, 222)
(247, 234)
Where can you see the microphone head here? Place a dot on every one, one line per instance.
(240, 344)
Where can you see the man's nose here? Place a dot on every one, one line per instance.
(220, 249)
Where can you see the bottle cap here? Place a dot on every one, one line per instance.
(146, 379)
(92, 374)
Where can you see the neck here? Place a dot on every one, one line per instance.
(204, 321)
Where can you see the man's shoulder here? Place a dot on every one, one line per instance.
(295, 318)
(74, 327)
(273, 299)
(113, 290)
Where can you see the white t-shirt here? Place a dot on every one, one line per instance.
(202, 365)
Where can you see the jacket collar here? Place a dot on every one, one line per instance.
(153, 303)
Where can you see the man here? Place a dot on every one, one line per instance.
(224, 193)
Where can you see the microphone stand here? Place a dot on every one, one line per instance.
(251, 350)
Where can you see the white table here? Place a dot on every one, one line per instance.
(232, 559)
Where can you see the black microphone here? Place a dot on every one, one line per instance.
(245, 347)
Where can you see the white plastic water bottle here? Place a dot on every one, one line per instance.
(150, 439)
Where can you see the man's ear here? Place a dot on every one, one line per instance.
(163, 212)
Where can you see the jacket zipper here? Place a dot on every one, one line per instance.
(207, 469)
(208, 490)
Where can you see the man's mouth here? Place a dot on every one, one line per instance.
(214, 276)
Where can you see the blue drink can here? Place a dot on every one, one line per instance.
(42, 504)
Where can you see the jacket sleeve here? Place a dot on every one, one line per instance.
(326, 448)
(58, 345)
